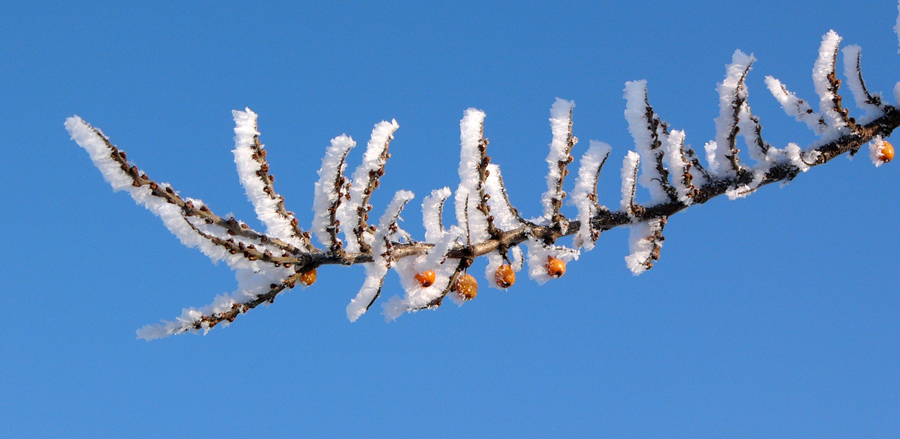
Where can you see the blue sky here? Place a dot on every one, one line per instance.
(770, 316)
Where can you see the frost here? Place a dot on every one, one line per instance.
(643, 243)
(676, 160)
(823, 67)
(855, 82)
(432, 214)
(381, 255)
(249, 171)
(171, 215)
(646, 139)
(371, 289)
(250, 285)
(373, 162)
(732, 94)
(467, 195)
(329, 188)
(796, 107)
(629, 171)
(560, 126)
(584, 196)
(503, 214)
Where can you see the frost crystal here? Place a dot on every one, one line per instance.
(560, 126)
(330, 187)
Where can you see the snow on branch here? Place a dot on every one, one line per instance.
(487, 225)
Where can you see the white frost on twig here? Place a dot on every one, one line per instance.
(642, 244)
(677, 164)
(560, 126)
(853, 73)
(584, 196)
(265, 204)
(504, 217)
(381, 257)
(432, 214)
(250, 285)
(416, 296)
(328, 190)
(636, 114)
(823, 67)
(796, 107)
(373, 161)
(629, 171)
(95, 143)
(731, 91)
(468, 216)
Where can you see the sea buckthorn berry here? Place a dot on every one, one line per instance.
(466, 286)
(308, 278)
(505, 276)
(425, 279)
(887, 152)
(555, 267)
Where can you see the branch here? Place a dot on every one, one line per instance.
(487, 224)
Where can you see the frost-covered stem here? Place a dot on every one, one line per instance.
(188, 209)
(826, 83)
(253, 169)
(371, 170)
(505, 200)
(732, 101)
(649, 134)
(483, 174)
(872, 104)
(629, 184)
(558, 159)
(692, 158)
(602, 221)
(683, 183)
(209, 321)
(331, 190)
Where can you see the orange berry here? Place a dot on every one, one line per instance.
(505, 276)
(466, 286)
(308, 278)
(425, 279)
(887, 152)
(555, 267)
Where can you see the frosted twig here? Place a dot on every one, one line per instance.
(584, 196)
(253, 170)
(366, 179)
(330, 191)
(722, 155)
(867, 102)
(558, 159)
(649, 133)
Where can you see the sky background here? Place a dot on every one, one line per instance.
(773, 316)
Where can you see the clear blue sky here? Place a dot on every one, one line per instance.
(773, 316)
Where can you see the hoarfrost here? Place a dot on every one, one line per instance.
(560, 126)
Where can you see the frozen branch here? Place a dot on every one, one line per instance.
(487, 225)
